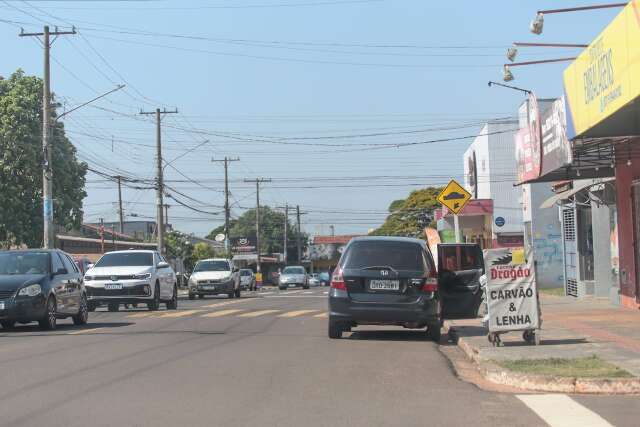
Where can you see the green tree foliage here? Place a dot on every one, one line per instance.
(408, 217)
(203, 251)
(178, 246)
(271, 230)
(21, 166)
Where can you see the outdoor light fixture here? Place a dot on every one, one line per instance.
(507, 75)
(512, 52)
(537, 24)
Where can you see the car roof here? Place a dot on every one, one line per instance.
(132, 251)
(22, 251)
(214, 259)
(298, 266)
(388, 239)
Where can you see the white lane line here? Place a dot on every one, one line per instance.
(308, 292)
(325, 293)
(559, 410)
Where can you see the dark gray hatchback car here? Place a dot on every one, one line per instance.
(385, 281)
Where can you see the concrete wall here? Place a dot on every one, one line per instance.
(600, 216)
(546, 238)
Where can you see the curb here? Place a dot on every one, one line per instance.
(544, 383)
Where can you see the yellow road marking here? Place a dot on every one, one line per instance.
(297, 313)
(322, 315)
(84, 331)
(221, 313)
(220, 304)
(140, 315)
(180, 313)
(258, 313)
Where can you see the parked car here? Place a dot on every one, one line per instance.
(132, 277)
(324, 278)
(213, 277)
(41, 285)
(247, 279)
(313, 279)
(293, 276)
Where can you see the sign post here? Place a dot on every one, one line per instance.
(454, 197)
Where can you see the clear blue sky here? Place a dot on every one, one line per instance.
(292, 87)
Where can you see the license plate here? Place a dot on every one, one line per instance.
(1, 305)
(209, 287)
(384, 285)
(113, 286)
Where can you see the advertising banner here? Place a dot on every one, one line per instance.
(326, 251)
(243, 245)
(556, 148)
(512, 299)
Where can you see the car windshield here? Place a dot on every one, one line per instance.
(211, 266)
(126, 259)
(245, 273)
(24, 263)
(381, 253)
(293, 270)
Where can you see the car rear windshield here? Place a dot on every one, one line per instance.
(212, 266)
(293, 270)
(24, 263)
(380, 253)
(126, 259)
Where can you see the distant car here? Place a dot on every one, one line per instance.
(324, 278)
(131, 277)
(214, 277)
(293, 276)
(314, 279)
(247, 279)
(41, 285)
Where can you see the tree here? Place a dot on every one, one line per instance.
(21, 217)
(410, 216)
(271, 231)
(178, 246)
(202, 251)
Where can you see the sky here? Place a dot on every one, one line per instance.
(341, 103)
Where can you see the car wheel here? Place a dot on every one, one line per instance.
(172, 304)
(7, 324)
(49, 321)
(434, 332)
(155, 304)
(83, 313)
(335, 330)
(281, 288)
(305, 287)
(238, 292)
(113, 307)
(201, 296)
(231, 294)
(92, 306)
(192, 296)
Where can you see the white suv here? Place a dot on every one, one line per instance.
(131, 277)
(214, 276)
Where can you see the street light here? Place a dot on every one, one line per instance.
(507, 75)
(537, 24)
(512, 52)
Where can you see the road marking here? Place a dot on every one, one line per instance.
(559, 410)
(140, 315)
(322, 315)
(258, 313)
(220, 304)
(180, 314)
(325, 293)
(295, 296)
(84, 331)
(297, 313)
(221, 313)
(308, 292)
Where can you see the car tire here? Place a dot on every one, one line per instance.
(91, 306)
(238, 293)
(83, 313)
(335, 330)
(7, 324)
(281, 288)
(231, 294)
(172, 304)
(305, 287)
(155, 304)
(201, 296)
(192, 296)
(113, 307)
(49, 322)
(434, 332)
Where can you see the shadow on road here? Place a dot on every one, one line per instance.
(61, 329)
(409, 335)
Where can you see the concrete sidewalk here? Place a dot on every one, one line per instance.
(571, 329)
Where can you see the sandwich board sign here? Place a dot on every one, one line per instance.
(454, 197)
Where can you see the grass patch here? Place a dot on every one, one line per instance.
(584, 367)
(555, 292)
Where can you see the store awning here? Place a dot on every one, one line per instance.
(578, 186)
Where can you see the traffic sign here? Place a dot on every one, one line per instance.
(454, 197)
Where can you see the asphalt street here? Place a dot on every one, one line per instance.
(261, 360)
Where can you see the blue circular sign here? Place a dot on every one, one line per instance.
(499, 221)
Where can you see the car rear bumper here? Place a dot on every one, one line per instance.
(27, 309)
(425, 311)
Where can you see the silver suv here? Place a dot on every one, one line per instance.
(131, 277)
(213, 277)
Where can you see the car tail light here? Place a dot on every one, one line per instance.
(431, 282)
(337, 280)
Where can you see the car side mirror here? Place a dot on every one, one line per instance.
(61, 272)
(162, 264)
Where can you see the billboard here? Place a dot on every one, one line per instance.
(326, 251)
(556, 149)
(243, 245)
(528, 141)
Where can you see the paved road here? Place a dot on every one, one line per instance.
(256, 361)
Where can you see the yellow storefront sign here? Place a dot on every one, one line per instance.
(605, 77)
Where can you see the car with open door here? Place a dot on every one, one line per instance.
(460, 267)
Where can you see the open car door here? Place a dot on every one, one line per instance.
(460, 266)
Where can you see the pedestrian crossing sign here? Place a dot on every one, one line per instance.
(454, 197)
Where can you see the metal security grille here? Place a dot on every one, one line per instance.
(569, 224)
(572, 288)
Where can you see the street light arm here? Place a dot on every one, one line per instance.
(117, 88)
(581, 8)
(525, 44)
(491, 83)
(543, 61)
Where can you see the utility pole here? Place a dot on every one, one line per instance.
(166, 214)
(120, 211)
(159, 178)
(102, 234)
(286, 237)
(299, 235)
(227, 209)
(47, 171)
(258, 181)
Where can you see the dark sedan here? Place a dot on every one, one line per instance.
(40, 285)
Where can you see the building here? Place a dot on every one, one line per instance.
(325, 251)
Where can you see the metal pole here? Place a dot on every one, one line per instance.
(47, 172)
(456, 227)
(258, 270)
(286, 236)
(299, 242)
(120, 211)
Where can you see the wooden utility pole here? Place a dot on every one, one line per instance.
(120, 211)
(299, 240)
(159, 175)
(286, 237)
(258, 181)
(47, 171)
(227, 209)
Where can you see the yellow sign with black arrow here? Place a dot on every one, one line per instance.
(454, 197)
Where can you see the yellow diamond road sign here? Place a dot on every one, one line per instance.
(454, 197)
